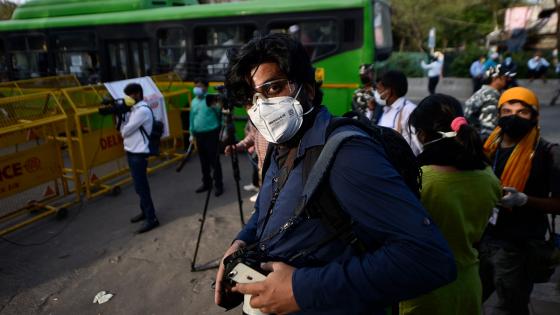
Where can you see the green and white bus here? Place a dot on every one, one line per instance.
(107, 40)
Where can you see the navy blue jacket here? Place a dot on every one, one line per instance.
(408, 255)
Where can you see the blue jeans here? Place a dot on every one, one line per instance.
(138, 164)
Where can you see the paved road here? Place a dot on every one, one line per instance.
(150, 273)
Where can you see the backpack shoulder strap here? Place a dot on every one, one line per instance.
(321, 202)
(322, 165)
(142, 129)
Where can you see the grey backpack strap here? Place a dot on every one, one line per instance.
(328, 210)
(323, 164)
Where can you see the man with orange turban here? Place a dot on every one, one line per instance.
(529, 169)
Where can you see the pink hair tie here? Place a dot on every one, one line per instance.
(458, 122)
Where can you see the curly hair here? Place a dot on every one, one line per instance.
(289, 54)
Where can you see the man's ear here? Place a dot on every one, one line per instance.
(309, 91)
(421, 136)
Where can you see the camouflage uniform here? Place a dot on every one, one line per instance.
(481, 109)
(360, 99)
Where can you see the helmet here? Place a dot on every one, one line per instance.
(520, 94)
(499, 71)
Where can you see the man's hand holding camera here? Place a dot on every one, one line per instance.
(273, 295)
(237, 245)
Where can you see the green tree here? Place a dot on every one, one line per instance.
(458, 23)
(6, 9)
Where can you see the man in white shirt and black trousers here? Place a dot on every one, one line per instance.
(137, 152)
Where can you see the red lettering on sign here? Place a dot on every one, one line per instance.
(32, 165)
(10, 171)
(110, 142)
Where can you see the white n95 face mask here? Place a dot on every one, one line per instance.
(278, 119)
(378, 99)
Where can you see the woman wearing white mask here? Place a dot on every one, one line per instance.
(459, 190)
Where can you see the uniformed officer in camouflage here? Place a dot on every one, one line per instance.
(481, 109)
(363, 101)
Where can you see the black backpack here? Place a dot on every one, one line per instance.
(318, 200)
(154, 138)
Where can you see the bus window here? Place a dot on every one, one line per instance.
(76, 54)
(319, 37)
(29, 56)
(382, 30)
(3, 63)
(118, 59)
(129, 58)
(211, 44)
(172, 48)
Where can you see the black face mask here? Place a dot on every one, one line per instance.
(516, 127)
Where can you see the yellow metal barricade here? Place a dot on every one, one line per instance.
(95, 142)
(37, 85)
(98, 146)
(8, 89)
(177, 96)
(33, 181)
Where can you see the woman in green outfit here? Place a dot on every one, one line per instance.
(459, 190)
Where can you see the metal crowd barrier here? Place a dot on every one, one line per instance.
(178, 97)
(97, 144)
(33, 180)
(37, 85)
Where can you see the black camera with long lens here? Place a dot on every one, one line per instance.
(249, 258)
(110, 106)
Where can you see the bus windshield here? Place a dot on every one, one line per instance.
(382, 30)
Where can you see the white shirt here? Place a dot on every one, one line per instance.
(434, 68)
(134, 141)
(369, 114)
(535, 63)
(396, 117)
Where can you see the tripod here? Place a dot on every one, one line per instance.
(229, 130)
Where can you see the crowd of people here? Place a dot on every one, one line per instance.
(366, 241)
(479, 224)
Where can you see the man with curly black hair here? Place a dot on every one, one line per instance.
(403, 253)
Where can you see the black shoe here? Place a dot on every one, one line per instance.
(218, 191)
(202, 188)
(148, 226)
(137, 218)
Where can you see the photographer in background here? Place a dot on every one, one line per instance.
(205, 128)
(137, 151)
(404, 254)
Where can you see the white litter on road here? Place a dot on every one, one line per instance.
(102, 297)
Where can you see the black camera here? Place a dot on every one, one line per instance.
(110, 106)
(244, 264)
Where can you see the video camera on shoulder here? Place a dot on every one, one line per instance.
(243, 266)
(111, 106)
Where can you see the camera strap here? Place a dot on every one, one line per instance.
(278, 183)
(341, 225)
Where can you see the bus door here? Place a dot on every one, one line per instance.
(128, 59)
